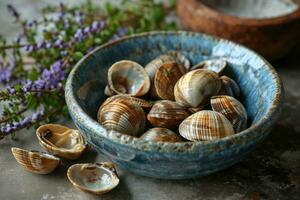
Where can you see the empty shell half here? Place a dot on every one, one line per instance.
(62, 141)
(232, 109)
(35, 161)
(98, 178)
(127, 77)
(161, 135)
(205, 125)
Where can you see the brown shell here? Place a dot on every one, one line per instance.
(35, 161)
(205, 125)
(195, 88)
(62, 141)
(127, 77)
(161, 135)
(165, 79)
(232, 109)
(123, 117)
(216, 65)
(94, 178)
(167, 114)
(126, 98)
(229, 87)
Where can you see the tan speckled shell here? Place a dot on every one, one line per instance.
(62, 141)
(127, 77)
(167, 114)
(165, 79)
(195, 88)
(123, 117)
(34, 161)
(205, 125)
(161, 135)
(216, 65)
(229, 87)
(94, 178)
(232, 109)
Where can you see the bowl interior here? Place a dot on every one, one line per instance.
(254, 76)
(255, 9)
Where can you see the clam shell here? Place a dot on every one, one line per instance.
(229, 87)
(126, 98)
(161, 135)
(165, 79)
(62, 141)
(216, 65)
(98, 178)
(127, 77)
(167, 114)
(232, 109)
(35, 161)
(123, 117)
(205, 125)
(180, 58)
(195, 88)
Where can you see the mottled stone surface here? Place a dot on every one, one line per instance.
(272, 171)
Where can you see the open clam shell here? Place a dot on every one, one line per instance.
(127, 77)
(232, 109)
(216, 65)
(98, 178)
(62, 141)
(229, 87)
(205, 125)
(161, 135)
(35, 161)
(167, 114)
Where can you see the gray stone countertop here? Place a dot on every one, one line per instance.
(272, 171)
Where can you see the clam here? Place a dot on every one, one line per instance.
(175, 56)
(62, 141)
(167, 114)
(216, 65)
(35, 161)
(205, 125)
(161, 135)
(98, 178)
(165, 79)
(232, 109)
(125, 117)
(127, 77)
(229, 87)
(194, 89)
(123, 97)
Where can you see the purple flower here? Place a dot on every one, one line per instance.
(87, 30)
(121, 32)
(11, 90)
(64, 53)
(78, 19)
(48, 45)
(67, 23)
(29, 48)
(13, 10)
(6, 72)
(58, 43)
(40, 44)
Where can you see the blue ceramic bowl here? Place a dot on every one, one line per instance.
(262, 95)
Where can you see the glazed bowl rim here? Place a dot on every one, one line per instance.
(247, 135)
(232, 19)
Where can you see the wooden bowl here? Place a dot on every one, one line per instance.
(270, 27)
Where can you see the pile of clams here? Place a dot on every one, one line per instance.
(169, 100)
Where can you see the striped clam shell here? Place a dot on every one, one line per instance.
(205, 125)
(165, 79)
(127, 77)
(161, 135)
(123, 117)
(167, 114)
(216, 65)
(232, 109)
(35, 161)
(62, 141)
(195, 88)
(125, 98)
(176, 56)
(229, 87)
(94, 178)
